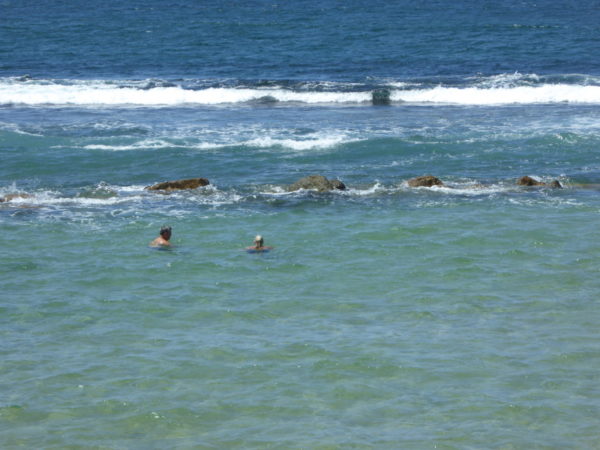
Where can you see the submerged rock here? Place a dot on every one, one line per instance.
(425, 181)
(318, 183)
(190, 183)
(528, 181)
(9, 197)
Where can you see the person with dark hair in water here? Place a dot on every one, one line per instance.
(259, 245)
(163, 239)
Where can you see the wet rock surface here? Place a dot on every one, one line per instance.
(175, 185)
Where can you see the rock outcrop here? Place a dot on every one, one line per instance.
(381, 97)
(528, 181)
(337, 184)
(318, 183)
(190, 183)
(9, 197)
(555, 184)
(425, 181)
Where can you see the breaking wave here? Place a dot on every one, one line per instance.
(500, 89)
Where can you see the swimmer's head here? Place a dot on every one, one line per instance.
(165, 231)
(258, 240)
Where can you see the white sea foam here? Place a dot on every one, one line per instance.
(208, 195)
(275, 191)
(145, 144)
(16, 129)
(155, 144)
(505, 80)
(110, 95)
(128, 189)
(300, 144)
(402, 84)
(546, 200)
(497, 90)
(466, 188)
(122, 195)
(463, 188)
(375, 189)
(548, 93)
(11, 189)
(50, 198)
(311, 142)
(472, 190)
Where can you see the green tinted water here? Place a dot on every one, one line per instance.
(439, 321)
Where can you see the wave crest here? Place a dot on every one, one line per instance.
(492, 90)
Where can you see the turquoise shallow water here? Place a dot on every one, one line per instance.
(456, 317)
(388, 328)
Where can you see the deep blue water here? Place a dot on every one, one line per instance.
(386, 316)
(304, 40)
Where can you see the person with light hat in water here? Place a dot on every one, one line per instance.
(163, 239)
(258, 245)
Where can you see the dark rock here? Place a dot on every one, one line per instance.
(556, 184)
(381, 97)
(425, 181)
(528, 181)
(190, 183)
(337, 184)
(9, 197)
(318, 183)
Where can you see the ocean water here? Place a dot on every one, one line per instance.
(457, 317)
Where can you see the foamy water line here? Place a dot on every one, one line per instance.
(492, 91)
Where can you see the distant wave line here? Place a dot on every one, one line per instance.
(85, 95)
